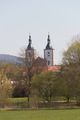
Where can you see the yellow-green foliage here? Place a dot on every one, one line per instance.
(72, 54)
(5, 89)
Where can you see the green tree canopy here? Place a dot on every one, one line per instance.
(71, 71)
(45, 85)
(72, 54)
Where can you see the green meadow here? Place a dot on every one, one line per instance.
(48, 114)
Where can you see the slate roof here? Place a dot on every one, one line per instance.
(48, 46)
(30, 47)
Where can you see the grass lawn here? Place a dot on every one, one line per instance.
(22, 99)
(66, 114)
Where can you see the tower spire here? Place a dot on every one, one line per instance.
(30, 38)
(48, 46)
(29, 47)
(48, 38)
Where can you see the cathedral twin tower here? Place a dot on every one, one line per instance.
(48, 52)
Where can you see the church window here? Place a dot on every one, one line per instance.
(48, 62)
(48, 53)
(29, 54)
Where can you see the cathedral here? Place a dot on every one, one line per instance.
(48, 52)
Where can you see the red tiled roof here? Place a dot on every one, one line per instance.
(53, 68)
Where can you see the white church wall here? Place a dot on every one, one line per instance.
(53, 57)
(49, 56)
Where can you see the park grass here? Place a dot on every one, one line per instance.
(48, 114)
(23, 103)
(19, 102)
(19, 99)
(25, 99)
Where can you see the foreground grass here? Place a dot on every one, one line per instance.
(66, 114)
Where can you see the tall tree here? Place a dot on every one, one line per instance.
(29, 66)
(5, 89)
(68, 83)
(71, 63)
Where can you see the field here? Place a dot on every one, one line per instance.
(48, 114)
(22, 103)
(23, 99)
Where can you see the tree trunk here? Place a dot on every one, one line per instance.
(50, 98)
(68, 99)
(29, 90)
(28, 98)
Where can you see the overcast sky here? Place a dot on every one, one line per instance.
(18, 18)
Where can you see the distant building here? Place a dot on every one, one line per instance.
(48, 60)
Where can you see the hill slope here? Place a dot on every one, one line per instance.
(9, 58)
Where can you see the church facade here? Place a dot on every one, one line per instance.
(48, 52)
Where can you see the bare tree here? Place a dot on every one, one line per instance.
(30, 65)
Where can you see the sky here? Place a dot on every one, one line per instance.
(18, 18)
